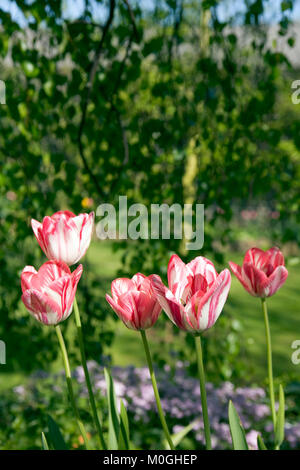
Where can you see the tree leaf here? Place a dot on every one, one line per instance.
(236, 429)
(113, 416)
(44, 442)
(260, 443)
(124, 438)
(177, 438)
(55, 435)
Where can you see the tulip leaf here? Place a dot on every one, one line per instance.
(44, 442)
(260, 443)
(55, 435)
(279, 431)
(177, 438)
(236, 429)
(124, 439)
(113, 416)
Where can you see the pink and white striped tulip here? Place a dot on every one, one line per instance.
(262, 272)
(64, 236)
(134, 302)
(48, 294)
(196, 294)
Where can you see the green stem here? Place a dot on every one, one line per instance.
(87, 375)
(156, 393)
(69, 384)
(269, 356)
(203, 392)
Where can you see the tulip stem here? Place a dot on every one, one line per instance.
(87, 375)
(269, 356)
(155, 389)
(203, 391)
(69, 384)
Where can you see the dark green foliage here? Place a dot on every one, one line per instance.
(122, 108)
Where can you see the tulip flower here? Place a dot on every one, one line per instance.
(196, 294)
(193, 301)
(134, 302)
(64, 236)
(48, 293)
(262, 272)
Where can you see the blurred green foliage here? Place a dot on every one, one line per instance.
(168, 105)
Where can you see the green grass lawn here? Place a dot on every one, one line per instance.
(284, 318)
(283, 308)
(283, 313)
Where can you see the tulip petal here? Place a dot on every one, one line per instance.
(254, 256)
(84, 224)
(76, 275)
(237, 271)
(42, 307)
(180, 279)
(138, 279)
(211, 304)
(37, 228)
(66, 214)
(124, 314)
(168, 302)
(28, 278)
(63, 291)
(275, 281)
(51, 271)
(255, 279)
(203, 267)
(120, 286)
(145, 304)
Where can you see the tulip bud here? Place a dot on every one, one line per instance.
(64, 236)
(48, 294)
(262, 272)
(196, 294)
(134, 302)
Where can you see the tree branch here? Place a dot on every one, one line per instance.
(89, 87)
(133, 22)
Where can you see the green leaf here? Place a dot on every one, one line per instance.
(236, 429)
(113, 416)
(55, 435)
(279, 431)
(177, 438)
(260, 443)
(44, 442)
(124, 439)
